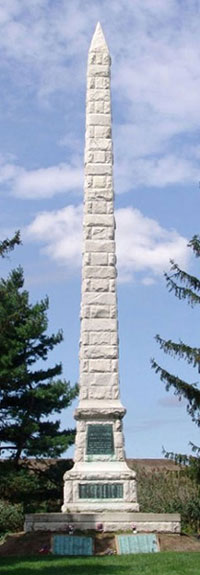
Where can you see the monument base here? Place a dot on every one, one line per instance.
(100, 486)
(112, 522)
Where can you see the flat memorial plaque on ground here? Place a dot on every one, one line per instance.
(144, 543)
(72, 545)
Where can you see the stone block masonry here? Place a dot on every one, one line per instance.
(99, 300)
(100, 487)
(100, 470)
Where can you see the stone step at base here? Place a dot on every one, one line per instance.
(112, 522)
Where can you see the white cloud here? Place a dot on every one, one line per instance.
(41, 183)
(46, 182)
(154, 171)
(155, 47)
(144, 248)
(61, 232)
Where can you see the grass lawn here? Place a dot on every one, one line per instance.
(148, 564)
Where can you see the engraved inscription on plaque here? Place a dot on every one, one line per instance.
(100, 439)
(101, 491)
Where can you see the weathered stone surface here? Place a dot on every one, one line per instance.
(100, 351)
(99, 220)
(97, 246)
(99, 325)
(99, 272)
(112, 520)
(99, 376)
(99, 298)
(98, 169)
(100, 379)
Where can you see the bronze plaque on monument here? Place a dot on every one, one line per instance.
(101, 490)
(100, 439)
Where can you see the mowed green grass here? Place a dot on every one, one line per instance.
(148, 564)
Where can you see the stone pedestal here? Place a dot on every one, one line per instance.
(100, 479)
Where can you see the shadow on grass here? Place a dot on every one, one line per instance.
(63, 566)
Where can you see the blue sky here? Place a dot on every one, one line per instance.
(155, 50)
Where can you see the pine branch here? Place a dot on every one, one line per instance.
(184, 292)
(7, 245)
(181, 389)
(183, 351)
(195, 245)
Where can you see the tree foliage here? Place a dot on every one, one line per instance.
(29, 392)
(185, 287)
(8, 245)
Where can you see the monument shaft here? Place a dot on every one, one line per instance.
(100, 479)
(99, 331)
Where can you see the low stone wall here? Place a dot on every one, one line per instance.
(143, 522)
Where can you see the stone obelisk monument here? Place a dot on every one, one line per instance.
(100, 487)
(100, 479)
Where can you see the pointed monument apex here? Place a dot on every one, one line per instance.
(98, 40)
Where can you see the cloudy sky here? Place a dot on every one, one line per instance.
(155, 50)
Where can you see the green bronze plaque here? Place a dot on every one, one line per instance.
(100, 439)
(101, 491)
(72, 545)
(145, 543)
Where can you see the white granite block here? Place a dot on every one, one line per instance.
(91, 83)
(102, 272)
(99, 107)
(100, 194)
(100, 156)
(98, 285)
(98, 120)
(98, 169)
(110, 208)
(100, 143)
(100, 246)
(86, 259)
(107, 107)
(96, 207)
(96, 95)
(100, 352)
(99, 325)
(99, 298)
(113, 311)
(99, 338)
(99, 311)
(84, 365)
(90, 132)
(114, 340)
(111, 259)
(108, 157)
(100, 259)
(112, 285)
(102, 132)
(91, 107)
(85, 338)
(83, 392)
(114, 365)
(108, 379)
(98, 70)
(96, 365)
(99, 220)
(99, 181)
(100, 83)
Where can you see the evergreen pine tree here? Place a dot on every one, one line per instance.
(29, 393)
(185, 287)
